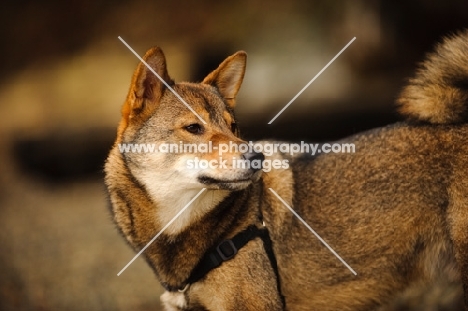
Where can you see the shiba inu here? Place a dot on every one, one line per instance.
(396, 210)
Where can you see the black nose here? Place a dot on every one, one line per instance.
(258, 157)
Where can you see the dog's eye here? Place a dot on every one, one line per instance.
(194, 128)
(233, 127)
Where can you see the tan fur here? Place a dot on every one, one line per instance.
(437, 296)
(437, 94)
(396, 210)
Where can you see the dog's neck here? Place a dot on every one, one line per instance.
(174, 256)
(171, 203)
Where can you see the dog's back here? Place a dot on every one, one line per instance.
(396, 210)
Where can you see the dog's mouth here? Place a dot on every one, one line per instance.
(229, 184)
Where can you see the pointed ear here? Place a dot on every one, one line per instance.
(146, 89)
(227, 78)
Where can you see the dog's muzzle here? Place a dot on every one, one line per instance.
(256, 160)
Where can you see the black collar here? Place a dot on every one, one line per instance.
(226, 250)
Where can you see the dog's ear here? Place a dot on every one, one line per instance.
(227, 78)
(146, 88)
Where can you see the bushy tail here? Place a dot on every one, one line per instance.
(438, 93)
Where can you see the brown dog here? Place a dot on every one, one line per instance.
(395, 210)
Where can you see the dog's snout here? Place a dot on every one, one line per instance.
(254, 156)
(251, 156)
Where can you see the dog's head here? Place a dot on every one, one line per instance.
(184, 135)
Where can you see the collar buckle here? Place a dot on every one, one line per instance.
(226, 249)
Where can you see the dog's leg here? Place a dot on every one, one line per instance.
(438, 295)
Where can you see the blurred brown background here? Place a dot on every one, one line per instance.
(64, 75)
